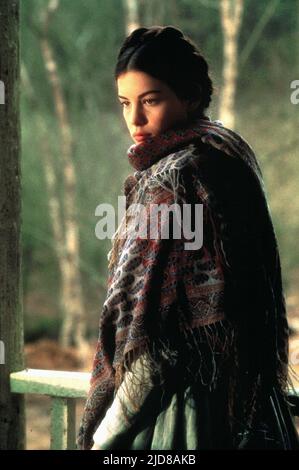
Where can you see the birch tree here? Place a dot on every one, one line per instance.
(231, 16)
(132, 16)
(65, 231)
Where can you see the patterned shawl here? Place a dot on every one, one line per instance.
(196, 312)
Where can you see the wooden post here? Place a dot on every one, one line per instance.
(11, 321)
(63, 424)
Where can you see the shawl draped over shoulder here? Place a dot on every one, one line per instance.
(193, 310)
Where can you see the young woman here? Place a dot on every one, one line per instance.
(193, 344)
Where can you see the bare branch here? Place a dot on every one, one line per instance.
(47, 13)
(257, 31)
(238, 14)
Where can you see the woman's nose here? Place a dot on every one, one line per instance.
(137, 116)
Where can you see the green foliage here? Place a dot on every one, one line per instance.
(41, 327)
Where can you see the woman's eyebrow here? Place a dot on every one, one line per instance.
(142, 94)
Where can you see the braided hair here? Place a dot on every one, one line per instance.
(166, 54)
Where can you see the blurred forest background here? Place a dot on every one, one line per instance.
(74, 140)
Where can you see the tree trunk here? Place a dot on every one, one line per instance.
(12, 435)
(153, 12)
(132, 17)
(67, 240)
(231, 16)
(297, 35)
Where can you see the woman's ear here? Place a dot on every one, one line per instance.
(193, 105)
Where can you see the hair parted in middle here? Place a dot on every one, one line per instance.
(166, 54)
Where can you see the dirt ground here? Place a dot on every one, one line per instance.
(46, 354)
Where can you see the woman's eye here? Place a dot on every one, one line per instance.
(150, 101)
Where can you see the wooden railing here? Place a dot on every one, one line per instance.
(64, 388)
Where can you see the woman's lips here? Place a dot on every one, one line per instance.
(141, 137)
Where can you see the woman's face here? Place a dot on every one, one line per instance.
(150, 107)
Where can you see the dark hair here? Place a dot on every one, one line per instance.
(167, 55)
